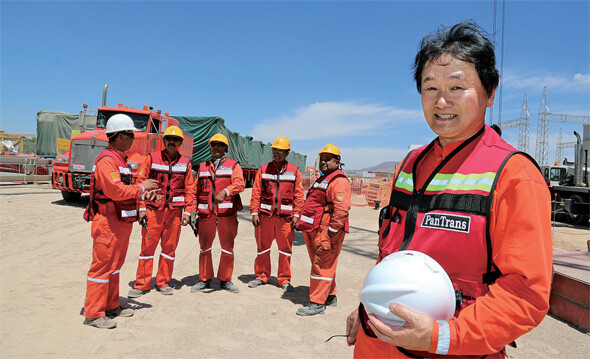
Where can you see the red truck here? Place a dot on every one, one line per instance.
(71, 173)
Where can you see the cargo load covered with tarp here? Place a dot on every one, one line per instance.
(251, 154)
(52, 125)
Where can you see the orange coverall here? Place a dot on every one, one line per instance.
(227, 227)
(274, 227)
(164, 224)
(111, 240)
(323, 250)
(522, 249)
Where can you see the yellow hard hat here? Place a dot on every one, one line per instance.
(219, 138)
(331, 149)
(281, 143)
(173, 131)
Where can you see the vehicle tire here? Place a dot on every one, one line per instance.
(577, 218)
(71, 196)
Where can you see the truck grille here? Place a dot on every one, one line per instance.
(84, 152)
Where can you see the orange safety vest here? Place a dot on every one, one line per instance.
(316, 204)
(171, 176)
(126, 210)
(278, 188)
(209, 183)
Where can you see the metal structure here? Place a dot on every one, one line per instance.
(545, 116)
(523, 124)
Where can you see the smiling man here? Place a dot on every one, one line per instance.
(176, 201)
(474, 204)
(324, 222)
(219, 185)
(277, 197)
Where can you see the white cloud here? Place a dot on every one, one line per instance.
(334, 119)
(576, 82)
(356, 158)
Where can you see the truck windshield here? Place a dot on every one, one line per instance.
(139, 120)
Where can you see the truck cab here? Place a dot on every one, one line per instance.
(72, 170)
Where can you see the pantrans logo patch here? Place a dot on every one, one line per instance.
(447, 222)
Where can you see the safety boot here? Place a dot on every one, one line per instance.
(332, 301)
(311, 309)
(101, 323)
(165, 290)
(200, 286)
(136, 293)
(119, 312)
(229, 286)
(255, 283)
(287, 287)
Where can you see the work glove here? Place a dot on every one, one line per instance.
(194, 223)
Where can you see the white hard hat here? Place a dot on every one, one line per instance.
(120, 122)
(412, 279)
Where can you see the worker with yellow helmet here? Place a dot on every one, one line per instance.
(219, 184)
(277, 197)
(324, 222)
(176, 201)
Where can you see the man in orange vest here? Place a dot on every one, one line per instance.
(112, 210)
(218, 186)
(277, 197)
(324, 222)
(164, 218)
(474, 204)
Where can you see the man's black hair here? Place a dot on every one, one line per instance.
(113, 136)
(465, 41)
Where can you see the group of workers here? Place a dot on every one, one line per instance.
(167, 197)
(477, 206)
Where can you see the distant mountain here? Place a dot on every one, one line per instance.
(388, 166)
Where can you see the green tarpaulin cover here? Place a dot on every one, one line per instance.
(52, 125)
(251, 154)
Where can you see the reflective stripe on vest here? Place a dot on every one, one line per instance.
(171, 176)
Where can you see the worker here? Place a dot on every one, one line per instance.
(324, 222)
(164, 219)
(112, 209)
(473, 203)
(277, 197)
(218, 186)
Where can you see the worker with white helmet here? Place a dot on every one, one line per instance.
(164, 218)
(324, 222)
(277, 197)
(219, 184)
(112, 209)
(471, 202)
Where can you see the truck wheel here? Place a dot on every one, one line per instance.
(577, 218)
(70, 196)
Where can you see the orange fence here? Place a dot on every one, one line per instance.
(365, 191)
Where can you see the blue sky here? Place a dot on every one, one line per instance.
(316, 72)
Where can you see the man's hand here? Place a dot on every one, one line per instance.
(149, 184)
(185, 219)
(294, 221)
(255, 220)
(220, 197)
(352, 327)
(153, 196)
(415, 334)
(141, 216)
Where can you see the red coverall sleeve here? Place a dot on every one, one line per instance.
(190, 191)
(142, 175)
(298, 196)
(237, 181)
(256, 191)
(108, 179)
(522, 249)
(338, 192)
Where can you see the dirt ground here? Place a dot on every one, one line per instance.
(45, 252)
